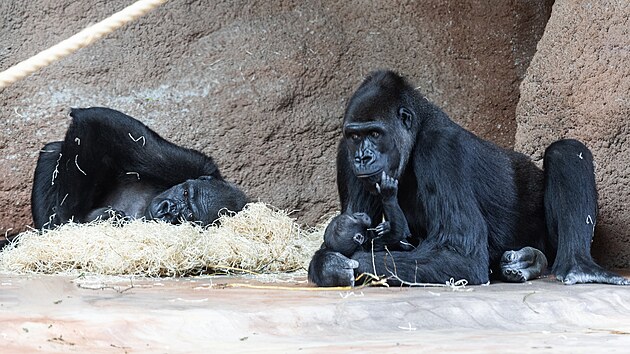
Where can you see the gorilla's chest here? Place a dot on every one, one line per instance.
(131, 198)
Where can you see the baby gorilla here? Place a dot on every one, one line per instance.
(347, 232)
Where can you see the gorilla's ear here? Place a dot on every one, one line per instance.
(206, 178)
(406, 116)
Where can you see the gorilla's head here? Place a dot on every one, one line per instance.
(380, 127)
(199, 200)
(347, 232)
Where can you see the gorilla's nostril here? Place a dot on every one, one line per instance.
(358, 238)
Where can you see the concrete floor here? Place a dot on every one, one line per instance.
(104, 315)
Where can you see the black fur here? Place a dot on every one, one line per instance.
(111, 161)
(466, 200)
(347, 232)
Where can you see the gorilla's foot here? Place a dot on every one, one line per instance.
(332, 269)
(523, 265)
(587, 272)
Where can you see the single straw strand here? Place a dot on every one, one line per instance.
(82, 39)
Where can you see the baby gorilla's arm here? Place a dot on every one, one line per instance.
(395, 231)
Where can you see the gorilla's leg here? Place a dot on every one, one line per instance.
(429, 263)
(523, 265)
(44, 196)
(571, 212)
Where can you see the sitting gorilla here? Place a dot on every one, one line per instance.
(467, 202)
(110, 163)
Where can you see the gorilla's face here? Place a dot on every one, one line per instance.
(379, 132)
(371, 150)
(379, 144)
(199, 200)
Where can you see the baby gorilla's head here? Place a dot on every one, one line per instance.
(347, 232)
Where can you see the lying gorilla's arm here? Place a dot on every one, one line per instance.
(122, 142)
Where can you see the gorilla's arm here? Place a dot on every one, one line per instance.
(128, 146)
(395, 231)
(456, 244)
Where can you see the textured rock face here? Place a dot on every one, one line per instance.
(578, 86)
(259, 86)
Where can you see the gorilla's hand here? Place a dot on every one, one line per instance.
(388, 187)
(329, 268)
(383, 228)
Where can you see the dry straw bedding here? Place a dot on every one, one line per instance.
(259, 239)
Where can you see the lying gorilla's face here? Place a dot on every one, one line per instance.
(198, 200)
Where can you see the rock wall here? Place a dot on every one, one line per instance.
(261, 86)
(578, 86)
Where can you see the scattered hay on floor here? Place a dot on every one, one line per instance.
(258, 239)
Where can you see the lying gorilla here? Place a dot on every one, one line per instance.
(467, 203)
(110, 163)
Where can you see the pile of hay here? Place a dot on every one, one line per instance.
(258, 239)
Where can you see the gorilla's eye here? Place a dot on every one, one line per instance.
(185, 193)
(375, 134)
(354, 136)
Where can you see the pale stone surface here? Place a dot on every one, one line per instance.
(578, 86)
(52, 314)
